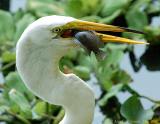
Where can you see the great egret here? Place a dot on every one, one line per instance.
(38, 52)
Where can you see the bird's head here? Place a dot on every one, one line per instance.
(60, 31)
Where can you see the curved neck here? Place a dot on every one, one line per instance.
(40, 71)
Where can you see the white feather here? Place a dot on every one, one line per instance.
(37, 61)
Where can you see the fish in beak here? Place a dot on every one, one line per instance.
(90, 42)
(79, 25)
(88, 35)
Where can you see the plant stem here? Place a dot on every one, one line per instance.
(7, 66)
(132, 91)
(59, 117)
(25, 121)
(150, 99)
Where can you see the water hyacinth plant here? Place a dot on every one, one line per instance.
(19, 106)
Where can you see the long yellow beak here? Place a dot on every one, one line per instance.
(85, 25)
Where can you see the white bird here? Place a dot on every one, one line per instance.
(38, 52)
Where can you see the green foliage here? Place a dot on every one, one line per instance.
(80, 8)
(21, 102)
(82, 72)
(19, 106)
(8, 56)
(13, 81)
(152, 34)
(136, 16)
(43, 8)
(109, 7)
(111, 92)
(133, 111)
(108, 71)
(6, 26)
(22, 24)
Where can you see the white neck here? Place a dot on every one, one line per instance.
(39, 69)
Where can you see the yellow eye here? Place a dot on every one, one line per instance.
(56, 30)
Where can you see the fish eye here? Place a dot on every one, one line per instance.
(56, 30)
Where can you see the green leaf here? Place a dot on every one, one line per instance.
(83, 59)
(110, 7)
(40, 109)
(94, 61)
(43, 8)
(82, 72)
(104, 75)
(152, 34)
(80, 8)
(154, 7)
(6, 26)
(114, 58)
(110, 18)
(136, 17)
(13, 81)
(20, 100)
(22, 24)
(133, 111)
(8, 56)
(112, 46)
(121, 77)
(112, 92)
(74, 8)
(18, 15)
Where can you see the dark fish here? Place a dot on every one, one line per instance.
(90, 42)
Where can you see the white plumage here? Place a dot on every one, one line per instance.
(38, 54)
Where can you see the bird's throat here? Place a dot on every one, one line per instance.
(39, 69)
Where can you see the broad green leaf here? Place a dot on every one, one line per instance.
(8, 56)
(137, 19)
(121, 77)
(65, 62)
(112, 92)
(134, 112)
(114, 58)
(109, 19)
(13, 81)
(18, 15)
(154, 7)
(94, 61)
(20, 100)
(136, 16)
(83, 59)
(75, 8)
(109, 7)
(82, 72)
(44, 8)
(22, 24)
(6, 26)
(80, 8)
(72, 54)
(104, 75)
(40, 108)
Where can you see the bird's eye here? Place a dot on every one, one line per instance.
(56, 30)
